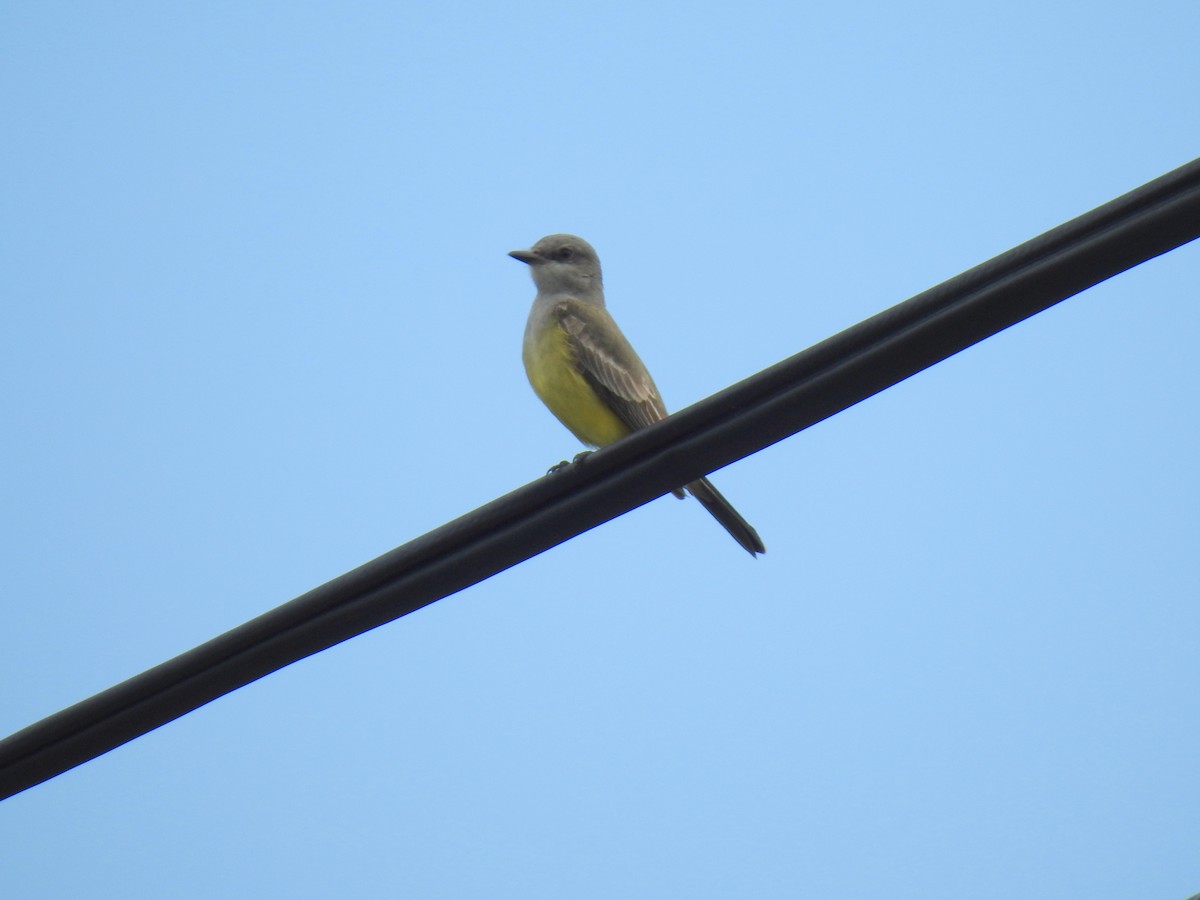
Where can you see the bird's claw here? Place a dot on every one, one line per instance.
(579, 457)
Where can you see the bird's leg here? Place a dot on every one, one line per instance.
(579, 457)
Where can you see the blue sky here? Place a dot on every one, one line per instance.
(259, 327)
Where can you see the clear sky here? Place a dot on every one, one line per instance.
(258, 327)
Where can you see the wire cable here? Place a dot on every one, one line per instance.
(765, 408)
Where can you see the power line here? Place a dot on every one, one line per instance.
(738, 421)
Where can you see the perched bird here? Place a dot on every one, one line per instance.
(586, 372)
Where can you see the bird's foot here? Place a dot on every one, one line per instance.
(579, 457)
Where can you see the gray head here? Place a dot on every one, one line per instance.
(564, 264)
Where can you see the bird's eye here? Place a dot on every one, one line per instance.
(565, 252)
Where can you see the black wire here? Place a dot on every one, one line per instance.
(734, 423)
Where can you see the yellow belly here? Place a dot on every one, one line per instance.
(558, 383)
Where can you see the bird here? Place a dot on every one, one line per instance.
(585, 370)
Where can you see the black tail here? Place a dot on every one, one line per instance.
(731, 520)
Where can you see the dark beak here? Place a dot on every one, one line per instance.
(525, 256)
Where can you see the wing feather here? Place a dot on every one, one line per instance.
(609, 364)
